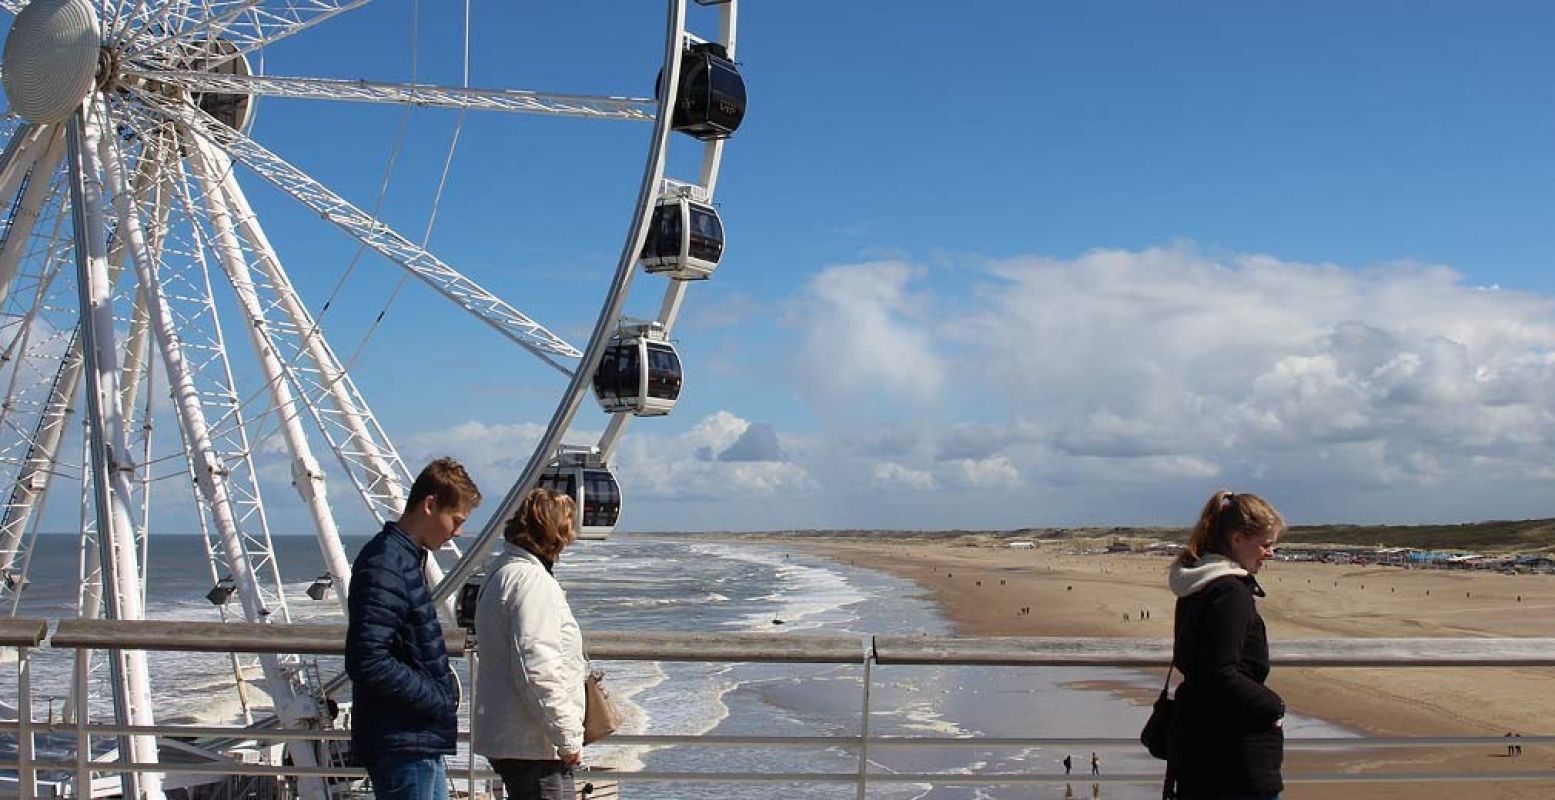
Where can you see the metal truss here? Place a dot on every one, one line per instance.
(510, 100)
(175, 287)
(447, 281)
(246, 24)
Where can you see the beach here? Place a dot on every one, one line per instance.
(982, 586)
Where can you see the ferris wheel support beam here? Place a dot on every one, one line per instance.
(210, 470)
(20, 154)
(363, 91)
(376, 234)
(41, 166)
(675, 292)
(307, 476)
(109, 444)
(385, 480)
(604, 325)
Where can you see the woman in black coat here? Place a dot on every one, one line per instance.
(1225, 740)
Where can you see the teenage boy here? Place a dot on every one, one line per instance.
(404, 696)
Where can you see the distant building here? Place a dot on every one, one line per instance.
(1119, 547)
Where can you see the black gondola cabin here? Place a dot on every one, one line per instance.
(582, 475)
(710, 101)
(639, 372)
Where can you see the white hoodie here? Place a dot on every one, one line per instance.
(1187, 580)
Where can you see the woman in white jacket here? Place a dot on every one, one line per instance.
(529, 689)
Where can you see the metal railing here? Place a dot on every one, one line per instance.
(868, 653)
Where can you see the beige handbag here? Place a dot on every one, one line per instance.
(600, 718)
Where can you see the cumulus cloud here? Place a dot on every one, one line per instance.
(1119, 385)
(759, 442)
(891, 475)
(981, 474)
(866, 336)
(1168, 367)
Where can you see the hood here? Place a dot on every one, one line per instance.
(1186, 580)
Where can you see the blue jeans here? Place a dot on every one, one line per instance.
(409, 779)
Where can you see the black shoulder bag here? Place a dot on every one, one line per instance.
(1155, 734)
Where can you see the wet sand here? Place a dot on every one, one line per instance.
(982, 586)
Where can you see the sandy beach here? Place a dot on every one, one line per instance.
(982, 586)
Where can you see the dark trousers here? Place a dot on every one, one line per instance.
(526, 779)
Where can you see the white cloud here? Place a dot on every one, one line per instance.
(1120, 386)
(980, 474)
(890, 475)
(866, 337)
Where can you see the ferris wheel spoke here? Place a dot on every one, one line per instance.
(246, 25)
(447, 281)
(508, 100)
(13, 6)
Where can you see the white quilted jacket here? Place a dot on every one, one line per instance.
(529, 686)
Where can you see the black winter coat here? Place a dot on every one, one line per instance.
(404, 701)
(1224, 738)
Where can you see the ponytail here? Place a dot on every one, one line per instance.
(1226, 514)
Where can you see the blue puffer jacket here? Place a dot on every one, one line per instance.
(404, 701)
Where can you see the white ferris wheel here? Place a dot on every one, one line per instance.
(128, 239)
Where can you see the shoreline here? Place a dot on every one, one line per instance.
(982, 588)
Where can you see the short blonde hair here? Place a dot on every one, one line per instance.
(543, 523)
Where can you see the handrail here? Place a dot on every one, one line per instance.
(245, 637)
(216, 637)
(866, 652)
(18, 632)
(1023, 651)
(727, 646)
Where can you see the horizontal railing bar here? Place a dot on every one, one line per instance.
(727, 646)
(1027, 651)
(803, 648)
(215, 637)
(22, 632)
(939, 779)
(713, 740)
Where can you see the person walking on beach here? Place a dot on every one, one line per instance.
(1068, 763)
(1095, 763)
(1226, 738)
(406, 698)
(528, 716)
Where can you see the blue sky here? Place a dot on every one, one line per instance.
(993, 265)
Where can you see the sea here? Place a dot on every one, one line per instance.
(693, 583)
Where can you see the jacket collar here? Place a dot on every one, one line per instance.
(400, 538)
(519, 551)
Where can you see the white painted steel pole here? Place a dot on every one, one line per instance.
(209, 470)
(27, 208)
(307, 475)
(116, 536)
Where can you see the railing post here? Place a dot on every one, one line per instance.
(471, 657)
(863, 732)
(25, 776)
(83, 737)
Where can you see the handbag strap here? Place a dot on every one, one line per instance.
(1167, 684)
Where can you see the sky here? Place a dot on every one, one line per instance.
(993, 265)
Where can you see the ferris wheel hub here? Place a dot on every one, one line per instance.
(50, 58)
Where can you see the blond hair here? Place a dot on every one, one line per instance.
(543, 523)
(1225, 515)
